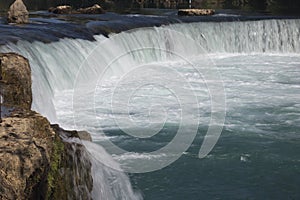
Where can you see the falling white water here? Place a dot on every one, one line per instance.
(55, 66)
(108, 182)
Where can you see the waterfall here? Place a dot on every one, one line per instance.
(55, 67)
(109, 181)
(272, 36)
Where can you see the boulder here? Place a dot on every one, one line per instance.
(16, 81)
(18, 13)
(65, 9)
(95, 9)
(26, 147)
(195, 12)
(36, 163)
(84, 135)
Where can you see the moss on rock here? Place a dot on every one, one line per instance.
(37, 160)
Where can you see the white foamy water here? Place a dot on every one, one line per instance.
(258, 87)
(258, 63)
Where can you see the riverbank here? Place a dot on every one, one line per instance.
(36, 160)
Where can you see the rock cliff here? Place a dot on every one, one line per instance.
(37, 161)
(16, 81)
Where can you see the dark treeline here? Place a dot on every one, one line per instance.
(290, 7)
(45, 4)
(271, 6)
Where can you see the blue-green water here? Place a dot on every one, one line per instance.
(140, 89)
(240, 167)
(257, 155)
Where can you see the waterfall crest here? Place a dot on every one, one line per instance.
(55, 67)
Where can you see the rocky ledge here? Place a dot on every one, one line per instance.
(195, 12)
(65, 9)
(37, 161)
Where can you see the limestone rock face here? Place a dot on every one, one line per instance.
(36, 163)
(37, 160)
(26, 147)
(195, 12)
(65, 9)
(95, 9)
(16, 81)
(18, 13)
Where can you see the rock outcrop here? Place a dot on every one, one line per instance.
(36, 163)
(95, 9)
(18, 13)
(65, 9)
(37, 160)
(83, 135)
(69, 176)
(16, 81)
(27, 143)
(195, 12)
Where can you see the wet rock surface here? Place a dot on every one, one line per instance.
(72, 178)
(84, 135)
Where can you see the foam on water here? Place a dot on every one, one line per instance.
(258, 60)
(61, 60)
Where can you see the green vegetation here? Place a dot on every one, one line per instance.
(53, 179)
(45, 4)
(272, 6)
